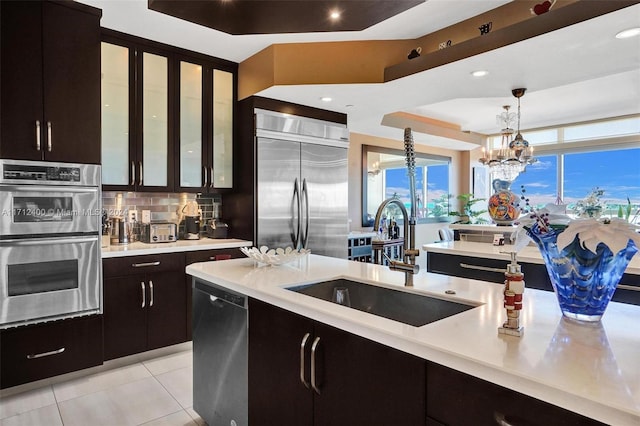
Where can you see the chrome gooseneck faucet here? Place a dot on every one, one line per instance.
(408, 264)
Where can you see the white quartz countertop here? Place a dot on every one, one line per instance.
(592, 370)
(529, 254)
(138, 248)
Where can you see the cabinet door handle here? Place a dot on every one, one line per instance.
(145, 264)
(314, 384)
(144, 296)
(49, 138)
(133, 173)
(502, 420)
(628, 287)
(482, 268)
(140, 167)
(151, 289)
(43, 354)
(204, 177)
(38, 145)
(303, 346)
(211, 178)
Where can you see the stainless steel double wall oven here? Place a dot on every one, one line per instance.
(50, 266)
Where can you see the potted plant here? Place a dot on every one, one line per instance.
(467, 215)
(440, 209)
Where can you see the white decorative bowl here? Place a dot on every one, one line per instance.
(277, 256)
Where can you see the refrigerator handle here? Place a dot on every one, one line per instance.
(305, 193)
(296, 234)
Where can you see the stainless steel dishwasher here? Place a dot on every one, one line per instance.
(220, 358)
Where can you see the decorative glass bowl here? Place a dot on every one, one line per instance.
(584, 281)
(277, 256)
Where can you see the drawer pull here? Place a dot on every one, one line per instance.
(628, 287)
(482, 268)
(43, 354)
(142, 265)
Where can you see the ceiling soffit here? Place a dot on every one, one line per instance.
(378, 61)
(279, 17)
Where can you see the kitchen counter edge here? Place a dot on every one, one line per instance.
(140, 249)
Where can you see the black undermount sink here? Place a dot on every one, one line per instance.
(409, 308)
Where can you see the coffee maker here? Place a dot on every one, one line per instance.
(191, 216)
(192, 227)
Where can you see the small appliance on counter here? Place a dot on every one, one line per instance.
(122, 231)
(191, 221)
(165, 232)
(217, 229)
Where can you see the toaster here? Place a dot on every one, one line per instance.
(217, 229)
(159, 233)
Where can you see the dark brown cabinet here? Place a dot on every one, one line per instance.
(455, 398)
(304, 372)
(535, 274)
(145, 303)
(44, 350)
(167, 117)
(50, 82)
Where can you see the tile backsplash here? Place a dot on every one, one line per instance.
(162, 206)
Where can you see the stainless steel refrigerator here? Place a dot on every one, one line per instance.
(302, 189)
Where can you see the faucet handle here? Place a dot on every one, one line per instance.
(404, 267)
(412, 252)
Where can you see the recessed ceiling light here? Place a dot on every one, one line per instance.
(334, 14)
(326, 99)
(630, 32)
(479, 73)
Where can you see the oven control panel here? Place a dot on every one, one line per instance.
(40, 173)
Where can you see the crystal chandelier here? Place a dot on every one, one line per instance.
(513, 156)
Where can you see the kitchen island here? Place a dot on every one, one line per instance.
(591, 370)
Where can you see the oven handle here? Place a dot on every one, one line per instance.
(48, 188)
(39, 241)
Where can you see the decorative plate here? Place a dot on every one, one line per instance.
(277, 256)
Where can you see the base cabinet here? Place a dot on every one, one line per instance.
(535, 274)
(302, 372)
(45, 350)
(455, 398)
(145, 303)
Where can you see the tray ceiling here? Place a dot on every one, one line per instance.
(280, 17)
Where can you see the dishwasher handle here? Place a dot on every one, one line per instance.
(218, 295)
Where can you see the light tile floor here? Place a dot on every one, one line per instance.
(155, 391)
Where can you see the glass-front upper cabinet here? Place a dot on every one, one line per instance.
(205, 135)
(167, 117)
(136, 117)
(222, 156)
(192, 169)
(115, 114)
(153, 150)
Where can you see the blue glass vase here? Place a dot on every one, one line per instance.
(584, 282)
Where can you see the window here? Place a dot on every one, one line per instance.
(540, 180)
(616, 172)
(385, 176)
(603, 154)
